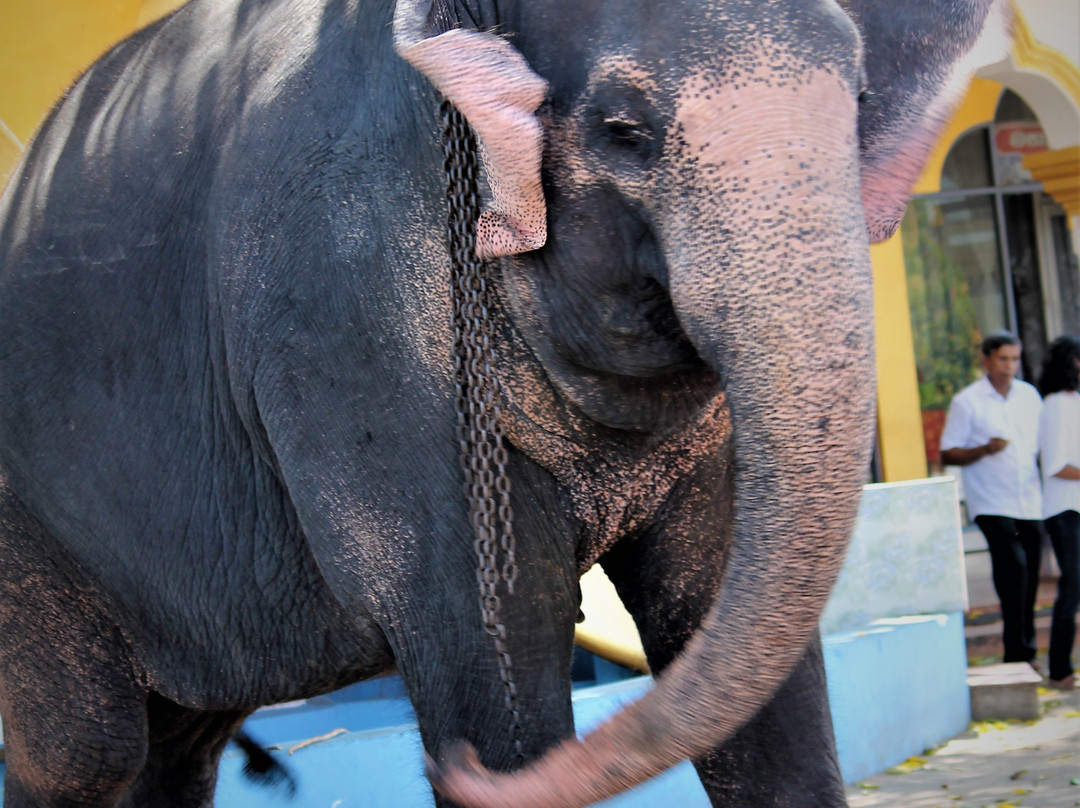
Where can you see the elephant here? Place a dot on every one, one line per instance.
(230, 399)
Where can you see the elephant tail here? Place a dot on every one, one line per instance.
(261, 767)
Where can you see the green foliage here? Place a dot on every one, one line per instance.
(943, 322)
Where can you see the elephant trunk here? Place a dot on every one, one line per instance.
(781, 307)
(782, 310)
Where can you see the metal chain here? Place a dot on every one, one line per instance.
(479, 428)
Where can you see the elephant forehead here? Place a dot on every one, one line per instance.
(626, 67)
(777, 151)
(771, 104)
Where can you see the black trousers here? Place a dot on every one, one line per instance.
(1015, 547)
(1064, 529)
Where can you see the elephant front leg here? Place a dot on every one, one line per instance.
(451, 663)
(457, 688)
(667, 578)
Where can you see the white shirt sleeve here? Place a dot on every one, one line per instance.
(1058, 434)
(957, 431)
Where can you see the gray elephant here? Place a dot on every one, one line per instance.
(229, 442)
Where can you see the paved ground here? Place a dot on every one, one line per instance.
(994, 765)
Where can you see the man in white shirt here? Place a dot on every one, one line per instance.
(992, 433)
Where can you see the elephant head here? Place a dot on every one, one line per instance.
(709, 176)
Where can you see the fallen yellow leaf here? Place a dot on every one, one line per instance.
(910, 765)
(986, 726)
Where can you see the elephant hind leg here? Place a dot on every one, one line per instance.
(79, 729)
(74, 716)
(183, 755)
(58, 760)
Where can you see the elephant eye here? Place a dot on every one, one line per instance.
(623, 132)
(623, 127)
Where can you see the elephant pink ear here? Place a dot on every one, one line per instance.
(498, 93)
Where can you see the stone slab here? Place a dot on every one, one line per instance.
(906, 556)
(1008, 690)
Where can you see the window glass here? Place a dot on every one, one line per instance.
(1023, 260)
(967, 164)
(956, 296)
(1067, 272)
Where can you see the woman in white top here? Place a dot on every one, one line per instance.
(1059, 448)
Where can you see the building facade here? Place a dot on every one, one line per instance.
(988, 242)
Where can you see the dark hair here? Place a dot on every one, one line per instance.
(996, 340)
(1059, 369)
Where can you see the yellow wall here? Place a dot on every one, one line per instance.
(900, 430)
(977, 108)
(44, 46)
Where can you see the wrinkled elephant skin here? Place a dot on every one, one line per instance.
(229, 469)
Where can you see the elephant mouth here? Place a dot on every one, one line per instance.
(625, 361)
(631, 331)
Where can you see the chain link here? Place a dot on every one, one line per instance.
(479, 428)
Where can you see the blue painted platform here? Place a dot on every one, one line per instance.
(896, 687)
(384, 768)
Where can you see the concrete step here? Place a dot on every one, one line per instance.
(1004, 691)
